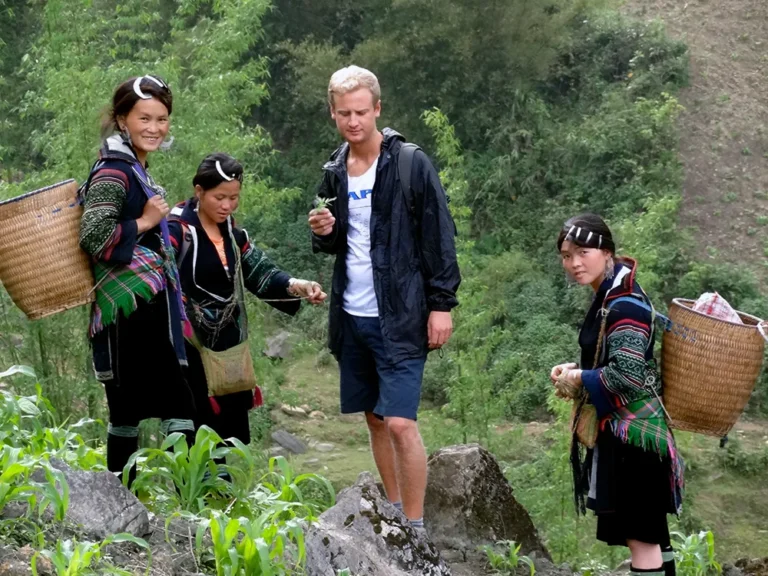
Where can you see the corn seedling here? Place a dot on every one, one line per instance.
(256, 547)
(71, 558)
(695, 554)
(188, 477)
(508, 561)
(282, 484)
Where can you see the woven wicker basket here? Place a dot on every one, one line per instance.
(41, 264)
(709, 368)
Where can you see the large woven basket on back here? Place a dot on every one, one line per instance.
(709, 368)
(41, 264)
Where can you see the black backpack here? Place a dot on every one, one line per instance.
(404, 169)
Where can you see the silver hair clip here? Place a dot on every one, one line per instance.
(221, 172)
(600, 241)
(589, 237)
(578, 233)
(570, 232)
(137, 86)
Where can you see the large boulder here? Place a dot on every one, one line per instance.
(99, 504)
(365, 533)
(469, 503)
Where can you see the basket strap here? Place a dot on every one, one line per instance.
(761, 328)
(665, 320)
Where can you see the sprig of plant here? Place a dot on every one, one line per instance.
(323, 203)
(507, 562)
(71, 558)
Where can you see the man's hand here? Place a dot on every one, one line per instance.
(321, 221)
(439, 329)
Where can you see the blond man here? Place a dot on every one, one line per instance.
(394, 283)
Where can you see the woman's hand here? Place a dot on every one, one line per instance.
(154, 211)
(558, 370)
(312, 291)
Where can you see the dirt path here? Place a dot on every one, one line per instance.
(724, 129)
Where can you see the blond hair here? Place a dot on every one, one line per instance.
(351, 78)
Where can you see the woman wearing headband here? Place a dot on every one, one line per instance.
(217, 262)
(632, 476)
(137, 319)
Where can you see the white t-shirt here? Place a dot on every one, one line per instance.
(359, 296)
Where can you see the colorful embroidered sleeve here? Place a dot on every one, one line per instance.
(261, 276)
(621, 379)
(102, 234)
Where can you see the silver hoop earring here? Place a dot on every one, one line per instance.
(609, 266)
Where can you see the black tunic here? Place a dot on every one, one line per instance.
(629, 488)
(203, 275)
(133, 356)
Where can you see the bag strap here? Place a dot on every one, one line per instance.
(186, 243)
(404, 169)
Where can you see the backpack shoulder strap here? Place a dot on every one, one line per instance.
(186, 244)
(404, 169)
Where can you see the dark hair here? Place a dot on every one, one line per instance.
(208, 176)
(125, 98)
(587, 231)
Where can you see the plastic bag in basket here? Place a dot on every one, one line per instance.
(712, 304)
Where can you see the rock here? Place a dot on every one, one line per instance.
(278, 346)
(754, 567)
(277, 451)
(99, 504)
(365, 533)
(317, 415)
(289, 442)
(325, 447)
(293, 410)
(307, 408)
(19, 562)
(312, 463)
(178, 539)
(731, 570)
(469, 503)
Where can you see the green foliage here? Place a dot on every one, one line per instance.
(188, 477)
(695, 554)
(253, 547)
(72, 558)
(508, 560)
(741, 461)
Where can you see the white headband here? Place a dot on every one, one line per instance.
(137, 86)
(221, 172)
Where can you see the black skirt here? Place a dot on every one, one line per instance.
(147, 380)
(232, 417)
(630, 492)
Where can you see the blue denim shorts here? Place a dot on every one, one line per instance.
(369, 381)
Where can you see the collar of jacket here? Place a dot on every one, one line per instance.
(623, 281)
(116, 148)
(338, 160)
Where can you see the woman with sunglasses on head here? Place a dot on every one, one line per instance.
(632, 476)
(137, 320)
(217, 262)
